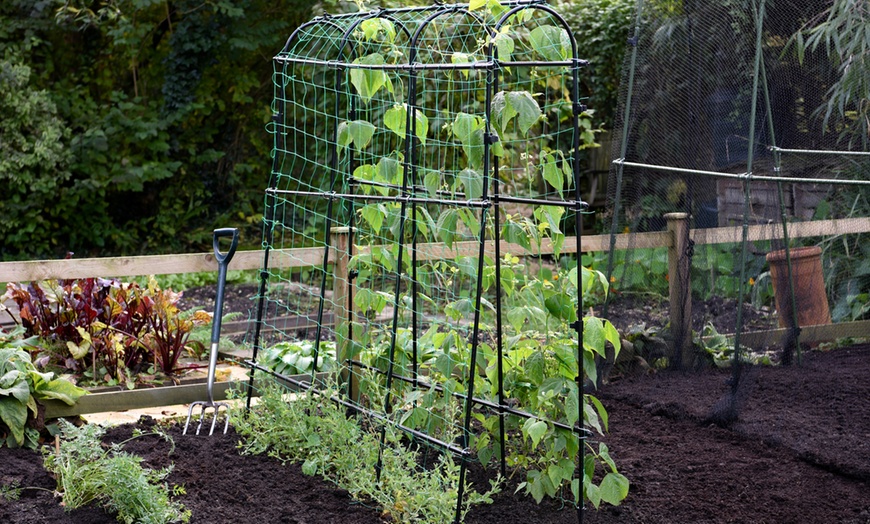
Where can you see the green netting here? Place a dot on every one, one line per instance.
(422, 191)
(732, 114)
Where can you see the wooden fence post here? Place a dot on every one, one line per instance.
(342, 298)
(680, 289)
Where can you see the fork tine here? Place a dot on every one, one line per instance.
(187, 422)
(217, 410)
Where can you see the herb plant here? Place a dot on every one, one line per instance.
(314, 431)
(88, 472)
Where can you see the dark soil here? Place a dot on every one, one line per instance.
(222, 487)
(631, 309)
(799, 452)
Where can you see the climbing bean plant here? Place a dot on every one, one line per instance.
(444, 130)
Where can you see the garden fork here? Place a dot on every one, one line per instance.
(223, 260)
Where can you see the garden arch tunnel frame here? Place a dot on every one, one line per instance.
(332, 166)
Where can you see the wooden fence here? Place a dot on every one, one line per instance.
(675, 238)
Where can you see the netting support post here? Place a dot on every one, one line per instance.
(342, 298)
(680, 289)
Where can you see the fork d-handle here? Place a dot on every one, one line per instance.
(223, 260)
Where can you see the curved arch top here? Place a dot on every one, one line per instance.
(440, 36)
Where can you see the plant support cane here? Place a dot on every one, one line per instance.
(223, 260)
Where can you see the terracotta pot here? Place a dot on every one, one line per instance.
(809, 286)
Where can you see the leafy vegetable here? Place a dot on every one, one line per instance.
(22, 386)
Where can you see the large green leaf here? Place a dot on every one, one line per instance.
(374, 215)
(527, 108)
(469, 130)
(15, 386)
(396, 119)
(562, 306)
(614, 488)
(504, 44)
(361, 133)
(552, 173)
(514, 233)
(502, 112)
(593, 335)
(368, 82)
(14, 414)
(550, 42)
(536, 429)
(63, 390)
(572, 405)
(390, 171)
(472, 181)
(507, 105)
(446, 226)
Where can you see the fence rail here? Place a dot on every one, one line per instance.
(313, 256)
(676, 235)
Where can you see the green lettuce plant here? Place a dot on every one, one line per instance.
(22, 386)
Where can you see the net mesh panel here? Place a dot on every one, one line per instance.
(386, 168)
(700, 133)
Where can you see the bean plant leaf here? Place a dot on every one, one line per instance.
(590, 418)
(396, 119)
(593, 335)
(614, 488)
(361, 133)
(472, 181)
(507, 105)
(473, 5)
(471, 221)
(593, 494)
(517, 317)
(550, 43)
(504, 44)
(561, 306)
(514, 233)
(552, 173)
(432, 181)
(535, 364)
(344, 138)
(461, 58)
(572, 405)
(368, 82)
(469, 130)
(446, 226)
(373, 27)
(527, 108)
(502, 111)
(390, 171)
(374, 214)
(536, 430)
(589, 367)
(599, 407)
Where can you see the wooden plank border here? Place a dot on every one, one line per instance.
(809, 334)
(108, 401)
